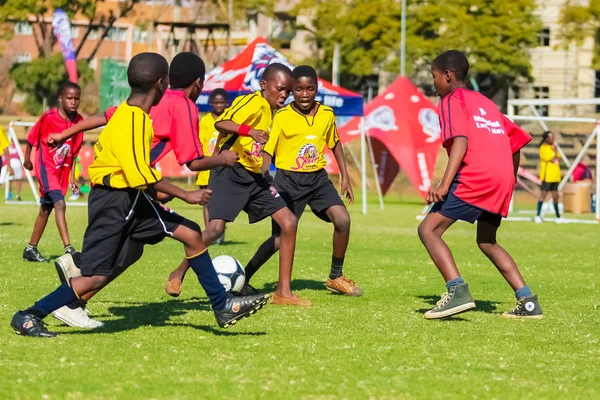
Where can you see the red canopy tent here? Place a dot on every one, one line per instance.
(405, 131)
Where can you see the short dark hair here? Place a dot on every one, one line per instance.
(68, 85)
(145, 69)
(272, 69)
(305, 71)
(218, 92)
(454, 61)
(185, 68)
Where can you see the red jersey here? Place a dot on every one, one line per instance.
(175, 123)
(486, 176)
(53, 166)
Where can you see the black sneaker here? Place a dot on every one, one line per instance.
(27, 324)
(247, 290)
(70, 250)
(33, 254)
(527, 307)
(237, 308)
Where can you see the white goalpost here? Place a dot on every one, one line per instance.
(12, 136)
(571, 164)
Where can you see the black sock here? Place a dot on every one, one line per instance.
(262, 255)
(556, 210)
(337, 264)
(539, 208)
(62, 296)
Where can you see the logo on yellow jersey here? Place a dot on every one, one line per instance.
(211, 145)
(256, 149)
(307, 157)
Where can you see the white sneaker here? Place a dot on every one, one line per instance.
(538, 219)
(66, 268)
(560, 220)
(76, 318)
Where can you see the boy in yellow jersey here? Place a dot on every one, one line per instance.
(121, 210)
(300, 132)
(549, 174)
(208, 138)
(243, 127)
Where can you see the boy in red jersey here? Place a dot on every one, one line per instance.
(53, 167)
(483, 148)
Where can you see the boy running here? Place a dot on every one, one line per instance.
(243, 127)
(120, 209)
(54, 167)
(300, 132)
(208, 138)
(477, 186)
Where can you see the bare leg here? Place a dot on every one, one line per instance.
(430, 232)
(341, 229)
(40, 225)
(288, 223)
(61, 221)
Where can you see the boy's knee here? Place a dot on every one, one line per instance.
(60, 206)
(423, 231)
(342, 223)
(289, 224)
(485, 247)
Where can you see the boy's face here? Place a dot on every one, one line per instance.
(198, 86)
(305, 91)
(69, 100)
(442, 81)
(161, 86)
(218, 104)
(277, 89)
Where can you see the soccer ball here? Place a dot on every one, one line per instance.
(230, 272)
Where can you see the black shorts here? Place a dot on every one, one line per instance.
(48, 200)
(299, 189)
(549, 186)
(120, 223)
(455, 208)
(235, 189)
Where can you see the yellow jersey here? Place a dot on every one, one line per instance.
(549, 171)
(208, 138)
(4, 142)
(252, 110)
(297, 141)
(122, 152)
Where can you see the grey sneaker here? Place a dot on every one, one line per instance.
(76, 317)
(527, 307)
(455, 301)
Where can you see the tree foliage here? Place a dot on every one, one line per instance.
(41, 78)
(495, 34)
(579, 22)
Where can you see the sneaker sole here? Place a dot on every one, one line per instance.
(247, 314)
(453, 311)
(511, 316)
(63, 271)
(72, 323)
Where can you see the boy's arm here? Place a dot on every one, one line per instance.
(338, 153)
(516, 162)
(27, 162)
(190, 197)
(457, 154)
(8, 167)
(74, 182)
(224, 158)
(90, 123)
(232, 128)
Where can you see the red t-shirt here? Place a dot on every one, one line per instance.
(175, 124)
(486, 177)
(53, 166)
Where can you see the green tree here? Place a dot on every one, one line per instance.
(579, 22)
(41, 79)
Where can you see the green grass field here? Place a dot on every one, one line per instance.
(374, 347)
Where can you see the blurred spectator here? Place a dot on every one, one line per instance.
(549, 173)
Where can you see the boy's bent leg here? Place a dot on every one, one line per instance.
(31, 252)
(60, 215)
(528, 305)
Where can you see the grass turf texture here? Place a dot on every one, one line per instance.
(377, 346)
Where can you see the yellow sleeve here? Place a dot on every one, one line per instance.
(246, 109)
(134, 159)
(271, 146)
(332, 135)
(4, 142)
(546, 153)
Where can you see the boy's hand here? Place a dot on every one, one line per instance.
(259, 136)
(347, 190)
(197, 196)
(74, 185)
(9, 169)
(228, 158)
(28, 165)
(437, 194)
(55, 140)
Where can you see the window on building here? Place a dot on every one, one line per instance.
(117, 34)
(93, 64)
(75, 32)
(544, 37)
(140, 36)
(542, 92)
(23, 28)
(93, 35)
(22, 57)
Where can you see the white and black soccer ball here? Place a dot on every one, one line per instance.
(230, 272)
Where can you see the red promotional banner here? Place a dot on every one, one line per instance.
(405, 133)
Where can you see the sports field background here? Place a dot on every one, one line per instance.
(374, 347)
